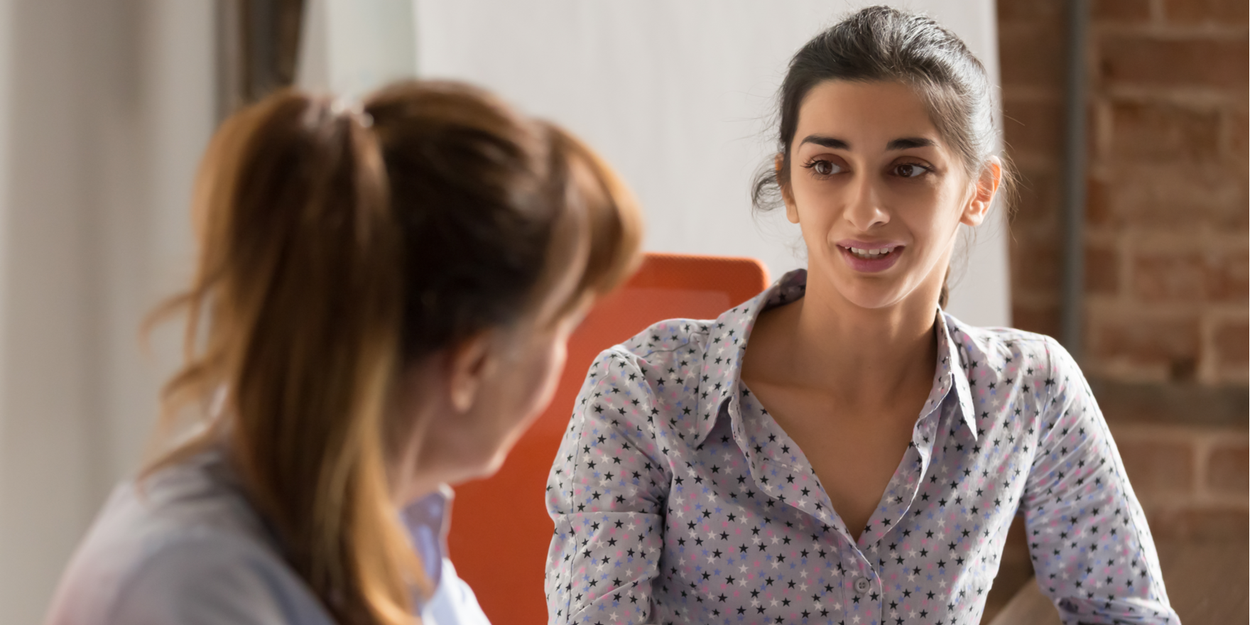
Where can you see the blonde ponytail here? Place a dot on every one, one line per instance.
(300, 281)
(337, 248)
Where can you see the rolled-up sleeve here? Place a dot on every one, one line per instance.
(1091, 548)
(606, 495)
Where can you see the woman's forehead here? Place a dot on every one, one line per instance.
(867, 116)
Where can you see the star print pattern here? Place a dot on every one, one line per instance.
(678, 499)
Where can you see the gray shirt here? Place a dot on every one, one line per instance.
(184, 547)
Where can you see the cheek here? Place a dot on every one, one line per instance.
(546, 377)
(814, 210)
(927, 208)
(531, 389)
(515, 405)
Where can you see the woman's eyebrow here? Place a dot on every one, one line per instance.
(910, 142)
(904, 143)
(828, 142)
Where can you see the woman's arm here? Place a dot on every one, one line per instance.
(606, 493)
(1092, 552)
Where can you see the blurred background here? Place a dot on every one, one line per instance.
(1126, 118)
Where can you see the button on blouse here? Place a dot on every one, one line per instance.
(678, 499)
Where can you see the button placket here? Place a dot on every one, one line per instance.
(867, 601)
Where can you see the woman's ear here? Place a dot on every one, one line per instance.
(468, 365)
(985, 187)
(779, 165)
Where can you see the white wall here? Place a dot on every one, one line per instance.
(679, 97)
(105, 106)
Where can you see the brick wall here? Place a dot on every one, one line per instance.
(1166, 242)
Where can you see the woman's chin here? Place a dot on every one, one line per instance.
(484, 466)
(870, 292)
(871, 296)
(457, 465)
(492, 466)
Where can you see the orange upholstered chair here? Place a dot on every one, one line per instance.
(500, 528)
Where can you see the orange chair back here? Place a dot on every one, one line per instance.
(500, 529)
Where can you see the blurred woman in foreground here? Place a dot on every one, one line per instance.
(381, 307)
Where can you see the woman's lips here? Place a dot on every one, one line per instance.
(870, 257)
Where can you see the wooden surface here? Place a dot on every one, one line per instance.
(1207, 584)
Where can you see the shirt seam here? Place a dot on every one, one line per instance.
(577, 455)
(621, 353)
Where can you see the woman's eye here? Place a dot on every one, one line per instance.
(824, 168)
(909, 170)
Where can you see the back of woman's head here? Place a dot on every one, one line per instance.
(341, 244)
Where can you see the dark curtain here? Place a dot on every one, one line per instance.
(257, 49)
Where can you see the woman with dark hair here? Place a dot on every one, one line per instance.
(839, 450)
(381, 306)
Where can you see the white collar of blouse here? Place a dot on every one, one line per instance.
(728, 335)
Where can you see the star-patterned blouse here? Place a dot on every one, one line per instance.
(678, 499)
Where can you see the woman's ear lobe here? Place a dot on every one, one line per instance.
(792, 212)
(984, 189)
(468, 363)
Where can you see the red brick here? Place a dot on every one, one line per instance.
(1033, 127)
(1036, 265)
(1040, 318)
(1229, 276)
(1031, 56)
(1232, 344)
(1196, 61)
(1102, 270)
(1037, 200)
(1163, 132)
(1123, 11)
(1158, 466)
(1184, 370)
(1129, 403)
(1219, 12)
(1098, 209)
(1199, 523)
(1238, 128)
(1174, 196)
(1228, 467)
(1160, 277)
(1142, 339)
(1031, 11)
(1190, 276)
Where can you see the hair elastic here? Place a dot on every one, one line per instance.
(353, 108)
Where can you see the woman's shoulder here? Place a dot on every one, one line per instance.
(670, 338)
(1012, 353)
(181, 544)
(990, 339)
(686, 339)
(669, 344)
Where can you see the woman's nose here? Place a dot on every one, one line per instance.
(864, 209)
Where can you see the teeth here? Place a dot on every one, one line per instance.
(869, 254)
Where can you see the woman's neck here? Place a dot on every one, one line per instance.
(412, 411)
(861, 356)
